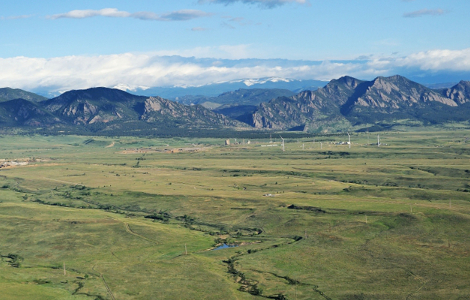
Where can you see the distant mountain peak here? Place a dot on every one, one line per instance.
(393, 77)
(7, 94)
(460, 92)
(347, 80)
(256, 81)
(464, 83)
(250, 82)
(216, 88)
(96, 93)
(129, 88)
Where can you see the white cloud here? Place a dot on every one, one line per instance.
(438, 60)
(180, 15)
(81, 14)
(151, 70)
(262, 3)
(134, 70)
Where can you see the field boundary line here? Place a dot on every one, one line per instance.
(107, 287)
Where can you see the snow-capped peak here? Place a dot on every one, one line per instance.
(250, 82)
(126, 88)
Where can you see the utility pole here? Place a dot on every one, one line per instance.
(349, 142)
(65, 272)
(185, 250)
(378, 140)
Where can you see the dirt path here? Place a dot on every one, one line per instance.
(110, 145)
(62, 181)
(129, 230)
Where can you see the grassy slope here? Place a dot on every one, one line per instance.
(393, 221)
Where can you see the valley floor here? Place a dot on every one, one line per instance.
(136, 218)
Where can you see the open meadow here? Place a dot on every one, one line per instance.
(136, 218)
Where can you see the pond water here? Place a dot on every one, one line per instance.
(224, 246)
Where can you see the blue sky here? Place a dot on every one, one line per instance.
(63, 45)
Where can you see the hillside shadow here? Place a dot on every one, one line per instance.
(359, 91)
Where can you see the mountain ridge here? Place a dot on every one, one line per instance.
(110, 109)
(217, 88)
(7, 94)
(345, 103)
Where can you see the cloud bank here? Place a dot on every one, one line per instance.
(180, 15)
(133, 71)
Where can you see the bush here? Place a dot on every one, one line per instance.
(14, 260)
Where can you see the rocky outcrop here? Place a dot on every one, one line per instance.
(157, 109)
(397, 92)
(460, 93)
(103, 106)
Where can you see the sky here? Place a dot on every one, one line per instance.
(63, 45)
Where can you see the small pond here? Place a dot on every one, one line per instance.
(224, 246)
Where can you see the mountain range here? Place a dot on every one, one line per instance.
(342, 104)
(351, 103)
(238, 97)
(109, 110)
(215, 89)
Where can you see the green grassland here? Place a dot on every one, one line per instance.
(135, 218)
